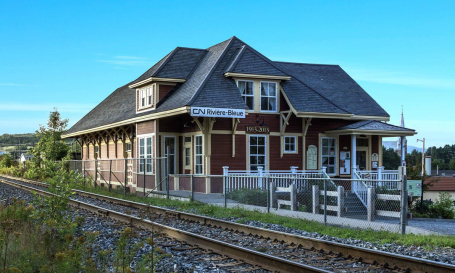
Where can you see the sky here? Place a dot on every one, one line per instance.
(73, 54)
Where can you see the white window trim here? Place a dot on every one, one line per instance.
(248, 95)
(196, 154)
(146, 92)
(187, 145)
(138, 153)
(336, 154)
(276, 97)
(295, 145)
(266, 152)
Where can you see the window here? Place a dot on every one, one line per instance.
(257, 152)
(128, 147)
(290, 144)
(97, 152)
(147, 97)
(187, 156)
(247, 91)
(145, 155)
(268, 96)
(329, 154)
(198, 155)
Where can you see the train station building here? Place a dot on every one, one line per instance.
(229, 105)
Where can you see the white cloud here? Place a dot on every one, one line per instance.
(124, 60)
(400, 78)
(62, 107)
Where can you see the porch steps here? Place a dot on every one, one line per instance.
(354, 208)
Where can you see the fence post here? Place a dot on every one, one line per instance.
(83, 162)
(272, 195)
(371, 204)
(225, 178)
(340, 201)
(96, 171)
(293, 197)
(380, 169)
(324, 169)
(126, 177)
(143, 180)
(260, 174)
(192, 186)
(315, 199)
(167, 173)
(224, 190)
(110, 174)
(325, 202)
(267, 185)
(404, 199)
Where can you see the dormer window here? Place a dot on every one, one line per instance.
(268, 97)
(247, 91)
(147, 97)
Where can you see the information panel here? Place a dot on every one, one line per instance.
(217, 112)
(414, 187)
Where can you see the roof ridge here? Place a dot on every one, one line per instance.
(260, 55)
(193, 48)
(318, 93)
(307, 63)
(201, 86)
(172, 54)
(237, 58)
(167, 55)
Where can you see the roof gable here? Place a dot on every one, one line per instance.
(249, 61)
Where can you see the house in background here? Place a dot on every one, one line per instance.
(445, 183)
(229, 105)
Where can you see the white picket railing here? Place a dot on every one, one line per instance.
(360, 189)
(384, 178)
(249, 179)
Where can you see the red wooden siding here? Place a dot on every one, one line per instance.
(164, 89)
(147, 127)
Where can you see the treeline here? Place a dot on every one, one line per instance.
(14, 139)
(444, 157)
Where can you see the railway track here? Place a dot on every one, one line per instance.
(284, 252)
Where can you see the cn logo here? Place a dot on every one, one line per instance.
(197, 111)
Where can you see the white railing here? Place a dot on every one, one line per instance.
(257, 179)
(360, 189)
(384, 178)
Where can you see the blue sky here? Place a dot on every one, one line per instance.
(71, 55)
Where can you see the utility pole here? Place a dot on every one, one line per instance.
(423, 155)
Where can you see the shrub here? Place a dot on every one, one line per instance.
(443, 207)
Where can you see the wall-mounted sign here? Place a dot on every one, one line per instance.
(345, 162)
(257, 129)
(217, 112)
(312, 158)
(374, 157)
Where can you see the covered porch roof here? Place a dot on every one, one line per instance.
(372, 127)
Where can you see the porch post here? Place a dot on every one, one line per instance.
(403, 152)
(353, 155)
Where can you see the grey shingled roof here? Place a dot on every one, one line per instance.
(373, 125)
(312, 88)
(334, 84)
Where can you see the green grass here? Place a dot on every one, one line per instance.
(381, 237)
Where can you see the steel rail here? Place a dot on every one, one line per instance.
(412, 264)
(269, 262)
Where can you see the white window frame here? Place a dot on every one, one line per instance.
(295, 145)
(196, 154)
(243, 96)
(145, 152)
(335, 155)
(187, 145)
(147, 96)
(276, 97)
(265, 151)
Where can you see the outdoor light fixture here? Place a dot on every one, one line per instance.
(262, 123)
(187, 124)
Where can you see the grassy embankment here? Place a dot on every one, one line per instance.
(381, 237)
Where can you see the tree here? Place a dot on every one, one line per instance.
(452, 164)
(391, 160)
(50, 146)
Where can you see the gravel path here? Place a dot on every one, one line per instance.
(435, 225)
